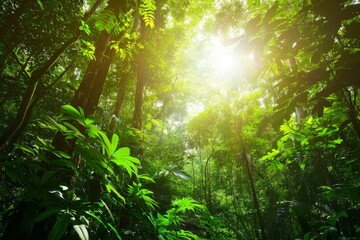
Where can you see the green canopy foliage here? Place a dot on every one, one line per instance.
(165, 119)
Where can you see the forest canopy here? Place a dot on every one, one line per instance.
(180, 119)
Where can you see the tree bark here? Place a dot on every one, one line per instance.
(99, 81)
(118, 104)
(140, 85)
(254, 195)
(10, 134)
(142, 77)
(83, 92)
(23, 110)
(17, 130)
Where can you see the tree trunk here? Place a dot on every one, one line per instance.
(10, 133)
(254, 196)
(99, 81)
(16, 125)
(18, 129)
(142, 77)
(118, 104)
(83, 92)
(140, 85)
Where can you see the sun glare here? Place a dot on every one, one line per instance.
(221, 57)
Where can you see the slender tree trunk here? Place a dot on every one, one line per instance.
(207, 184)
(118, 104)
(140, 85)
(142, 77)
(36, 97)
(99, 81)
(10, 133)
(254, 195)
(23, 110)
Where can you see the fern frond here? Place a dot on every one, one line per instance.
(147, 11)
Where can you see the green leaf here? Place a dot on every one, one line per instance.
(82, 231)
(147, 10)
(280, 166)
(325, 188)
(270, 155)
(338, 141)
(41, 5)
(122, 152)
(64, 163)
(127, 163)
(110, 188)
(114, 143)
(46, 177)
(60, 227)
(24, 148)
(148, 126)
(302, 166)
(115, 231)
(96, 218)
(106, 145)
(89, 121)
(74, 131)
(45, 215)
(71, 111)
(342, 214)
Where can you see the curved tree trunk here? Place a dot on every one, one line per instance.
(14, 130)
(24, 109)
(37, 95)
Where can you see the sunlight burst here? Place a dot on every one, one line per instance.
(222, 58)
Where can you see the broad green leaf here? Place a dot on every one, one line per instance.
(71, 111)
(74, 131)
(24, 148)
(89, 121)
(64, 163)
(45, 215)
(114, 143)
(46, 177)
(148, 126)
(60, 227)
(146, 178)
(106, 145)
(342, 214)
(302, 166)
(110, 188)
(338, 141)
(82, 231)
(122, 152)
